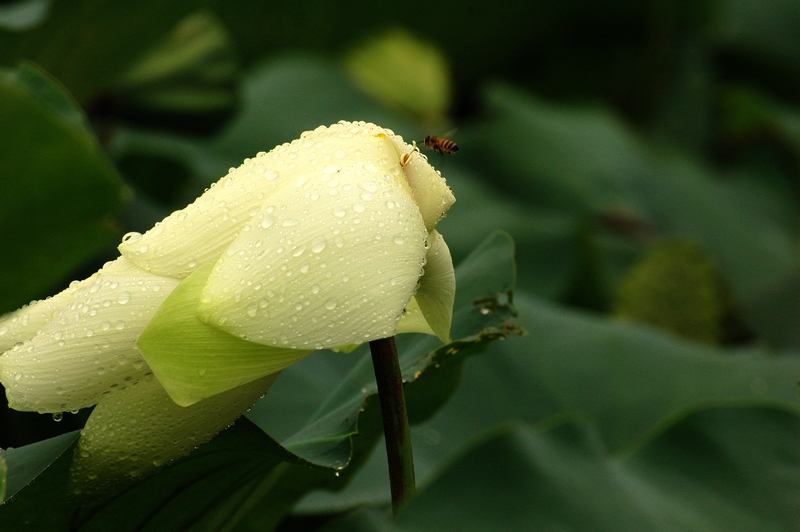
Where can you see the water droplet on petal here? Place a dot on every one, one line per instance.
(330, 304)
(398, 239)
(267, 221)
(318, 244)
(131, 237)
(369, 186)
(124, 297)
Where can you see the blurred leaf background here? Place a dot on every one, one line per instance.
(644, 156)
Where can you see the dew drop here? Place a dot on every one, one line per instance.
(124, 297)
(338, 241)
(369, 186)
(330, 304)
(331, 169)
(58, 416)
(398, 239)
(267, 221)
(289, 222)
(359, 207)
(131, 237)
(318, 244)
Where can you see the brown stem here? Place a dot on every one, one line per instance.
(395, 421)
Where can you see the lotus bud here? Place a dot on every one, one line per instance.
(323, 243)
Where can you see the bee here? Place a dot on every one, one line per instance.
(440, 145)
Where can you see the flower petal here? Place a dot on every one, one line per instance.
(413, 321)
(437, 287)
(430, 311)
(198, 234)
(330, 260)
(194, 360)
(135, 431)
(23, 324)
(430, 190)
(88, 349)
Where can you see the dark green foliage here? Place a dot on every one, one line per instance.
(643, 156)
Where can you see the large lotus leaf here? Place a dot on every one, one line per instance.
(726, 469)
(631, 381)
(192, 70)
(24, 464)
(59, 189)
(765, 31)
(87, 45)
(586, 161)
(548, 241)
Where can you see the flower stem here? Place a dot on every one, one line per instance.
(395, 421)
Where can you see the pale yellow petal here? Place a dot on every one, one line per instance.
(437, 287)
(413, 320)
(430, 311)
(199, 233)
(22, 325)
(135, 431)
(88, 350)
(330, 260)
(431, 193)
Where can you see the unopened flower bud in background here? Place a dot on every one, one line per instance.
(324, 243)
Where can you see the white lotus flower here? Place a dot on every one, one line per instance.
(326, 242)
